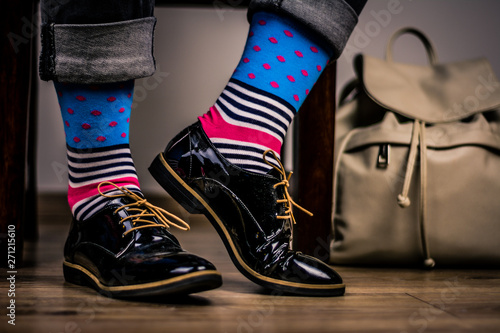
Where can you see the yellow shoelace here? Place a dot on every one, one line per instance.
(143, 209)
(285, 182)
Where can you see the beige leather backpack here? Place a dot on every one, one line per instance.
(417, 166)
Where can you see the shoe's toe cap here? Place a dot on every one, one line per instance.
(305, 269)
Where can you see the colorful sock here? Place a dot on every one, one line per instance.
(96, 123)
(280, 64)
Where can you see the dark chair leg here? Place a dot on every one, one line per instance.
(313, 164)
(16, 73)
(31, 225)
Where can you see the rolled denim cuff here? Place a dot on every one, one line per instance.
(331, 20)
(98, 53)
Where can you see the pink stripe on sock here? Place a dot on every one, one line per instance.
(216, 127)
(77, 194)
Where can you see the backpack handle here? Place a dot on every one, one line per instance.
(431, 54)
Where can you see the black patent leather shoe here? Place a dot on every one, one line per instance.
(250, 211)
(125, 250)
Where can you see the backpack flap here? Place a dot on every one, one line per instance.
(436, 93)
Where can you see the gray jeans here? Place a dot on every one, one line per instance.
(98, 41)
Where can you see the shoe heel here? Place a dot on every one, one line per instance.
(165, 177)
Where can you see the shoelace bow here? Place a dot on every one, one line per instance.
(144, 209)
(285, 182)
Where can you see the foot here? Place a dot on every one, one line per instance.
(125, 250)
(250, 211)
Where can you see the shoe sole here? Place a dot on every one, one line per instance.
(190, 200)
(181, 285)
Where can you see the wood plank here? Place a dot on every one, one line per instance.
(377, 300)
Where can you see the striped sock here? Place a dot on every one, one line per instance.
(280, 64)
(87, 169)
(96, 119)
(240, 128)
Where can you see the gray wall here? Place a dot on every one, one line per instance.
(197, 49)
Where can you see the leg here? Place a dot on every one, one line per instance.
(227, 164)
(118, 242)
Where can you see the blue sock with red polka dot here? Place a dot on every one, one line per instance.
(279, 66)
(96, 123)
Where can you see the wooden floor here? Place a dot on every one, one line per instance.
(377, 300)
